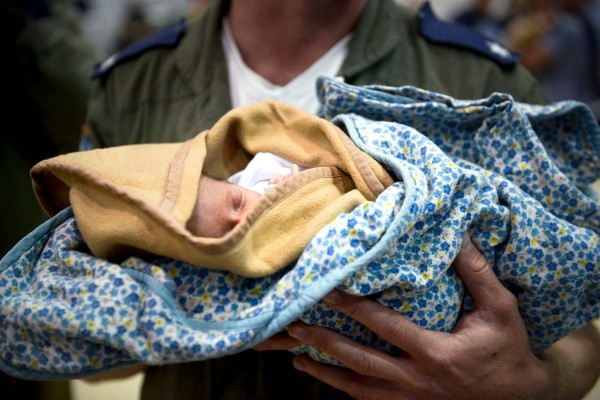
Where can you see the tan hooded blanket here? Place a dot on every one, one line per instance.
(135, 200)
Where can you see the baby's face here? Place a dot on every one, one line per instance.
(220, 207)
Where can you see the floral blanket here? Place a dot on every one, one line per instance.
(515, 176)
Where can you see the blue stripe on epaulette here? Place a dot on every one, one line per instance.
(438, 31)
(168, 37)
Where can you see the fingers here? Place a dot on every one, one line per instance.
(388, 324)
(356, 385)
(279, 341)
(481, 282)
(359, 358)
(294, 169)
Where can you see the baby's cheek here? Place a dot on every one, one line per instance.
(193, 223)
(253, 198)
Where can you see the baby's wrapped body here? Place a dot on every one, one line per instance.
(221, 206)
(138, 199)
(429, 170)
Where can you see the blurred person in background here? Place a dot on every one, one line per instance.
(488, 17)
(110, 25)
(559, 42)
(46, 64)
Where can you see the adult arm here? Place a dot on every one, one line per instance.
(486, 356)
(577, 359)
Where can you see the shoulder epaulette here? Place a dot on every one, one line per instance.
(168, 37)
(443, 32)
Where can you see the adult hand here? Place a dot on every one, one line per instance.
(487, 356)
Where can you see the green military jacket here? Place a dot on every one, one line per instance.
(171, 92)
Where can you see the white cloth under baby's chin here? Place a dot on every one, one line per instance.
(259, 170)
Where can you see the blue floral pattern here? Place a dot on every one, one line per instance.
(515, 176)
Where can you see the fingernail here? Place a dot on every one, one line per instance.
(297, 332)
(299, 364)
(333, 298)
(466, 243)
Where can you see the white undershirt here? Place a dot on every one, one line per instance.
(247, 87)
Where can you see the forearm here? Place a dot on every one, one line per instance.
(575, 360)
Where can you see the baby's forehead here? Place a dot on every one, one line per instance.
(209, 181)
(212, 189)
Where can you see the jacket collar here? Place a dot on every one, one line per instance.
(376, 35)
(203, 62)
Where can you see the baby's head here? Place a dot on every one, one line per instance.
(220, 207)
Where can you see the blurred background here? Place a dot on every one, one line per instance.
(52, 45)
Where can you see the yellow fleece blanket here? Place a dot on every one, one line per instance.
(135, 200)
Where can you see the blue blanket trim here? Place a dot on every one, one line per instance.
(34, 237)
(154, 286)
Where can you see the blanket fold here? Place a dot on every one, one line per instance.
(135, 200)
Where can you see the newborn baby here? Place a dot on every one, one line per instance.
(221, 205)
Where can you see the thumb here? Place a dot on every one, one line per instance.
(477, 274)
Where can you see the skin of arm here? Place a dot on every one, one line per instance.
(576, 360)
(487, 355)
